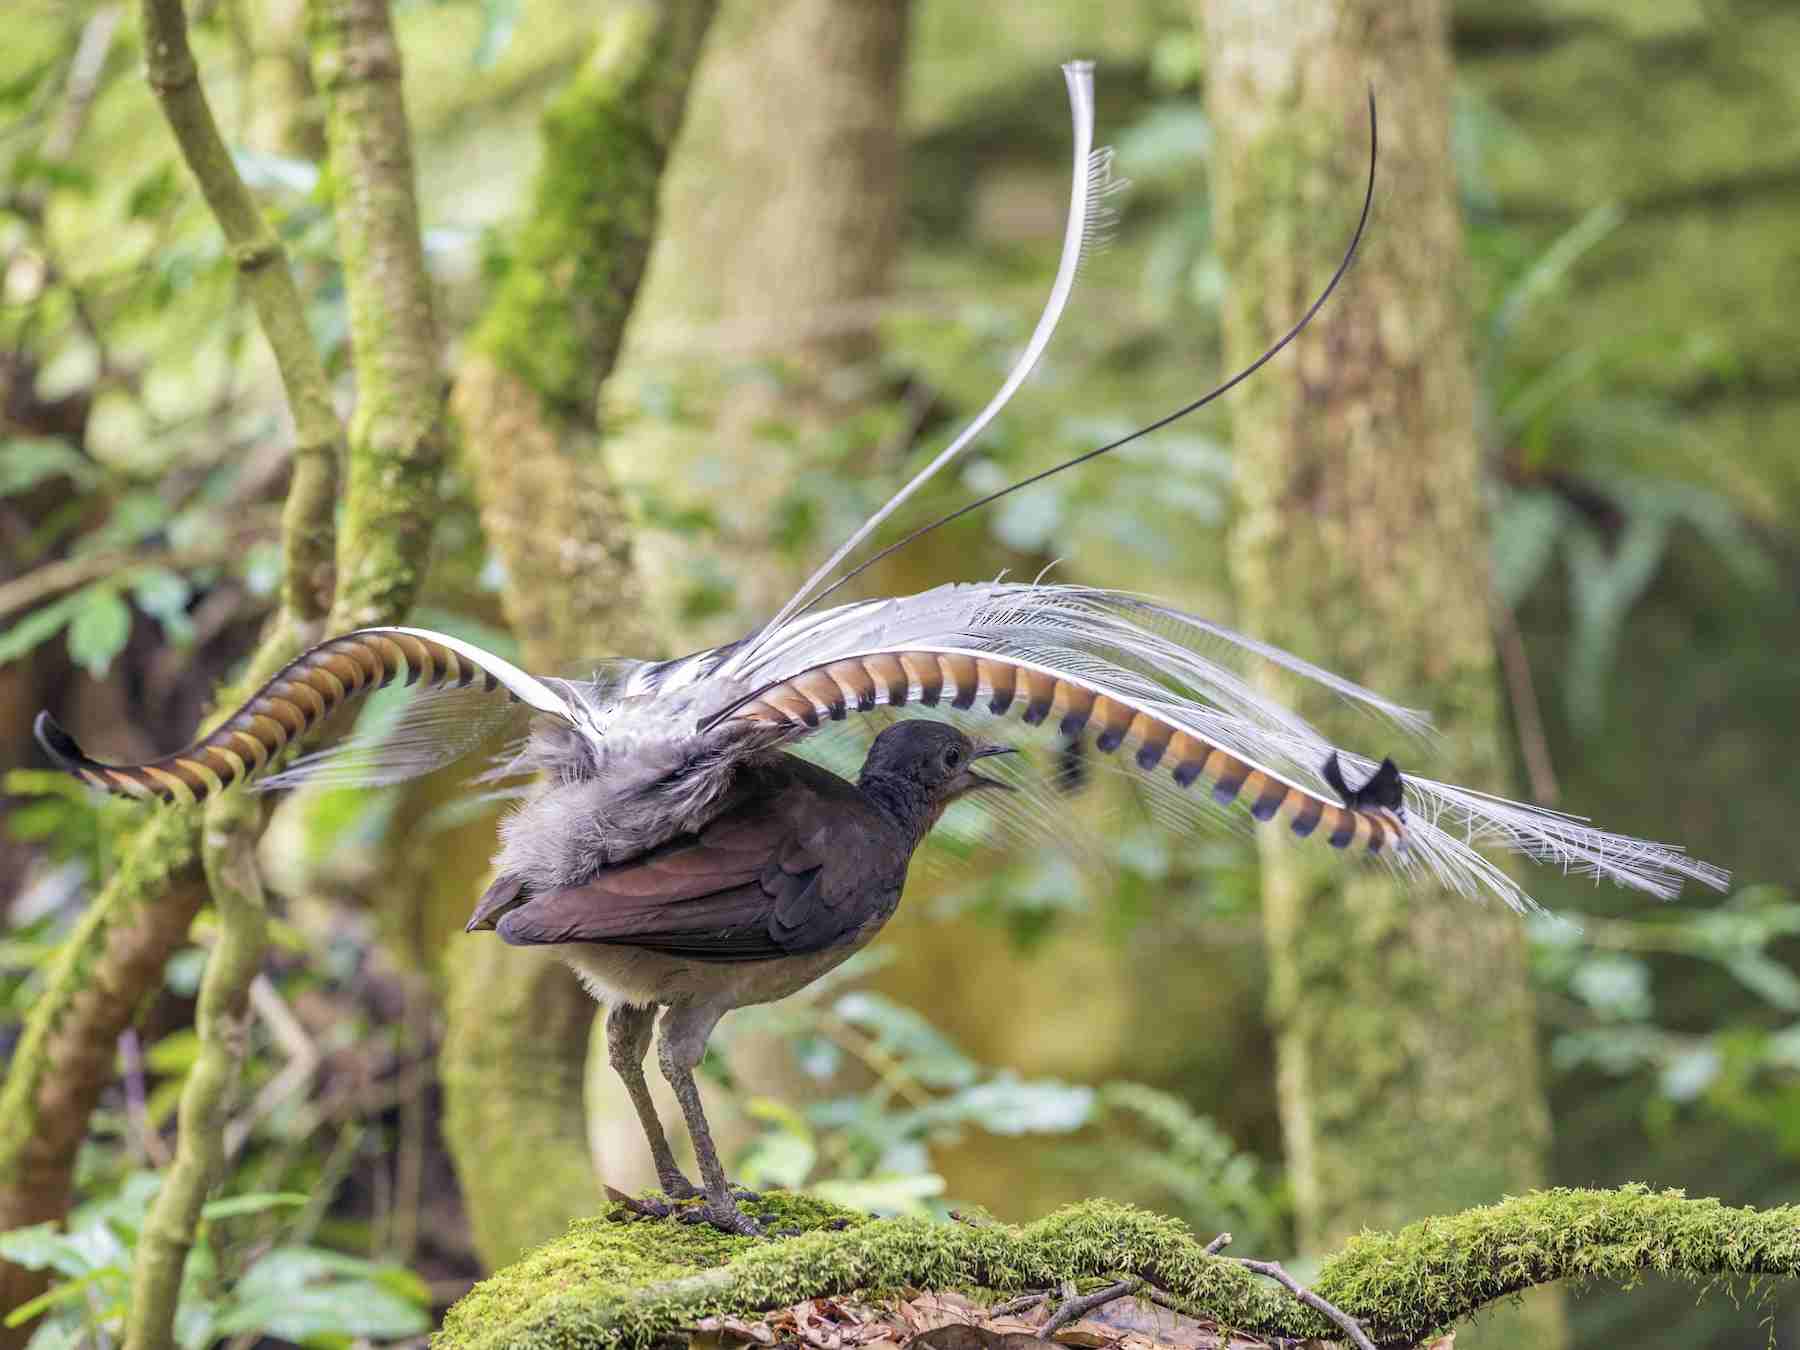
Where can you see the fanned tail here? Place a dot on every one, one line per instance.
(302, 695)
(1128, 670)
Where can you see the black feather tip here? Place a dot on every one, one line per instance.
(57, 743)
(1382, 788)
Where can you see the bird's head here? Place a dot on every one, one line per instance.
(932, 759)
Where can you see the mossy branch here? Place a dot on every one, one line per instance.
(66, 1055)
(394, 456)
(397, 432)
(616, 1284)
(228, 851)
(308, 536)
(116, 954)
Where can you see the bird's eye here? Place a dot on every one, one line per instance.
(952, 757)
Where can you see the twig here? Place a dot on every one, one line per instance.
(303, 1060)
(1273, 1270)
(1522, 692)
(1023, 1303)
(66, 574)
(150, 1143)
(1218, 1244)
(83, 82)
(228, 842)
(1074, 1307)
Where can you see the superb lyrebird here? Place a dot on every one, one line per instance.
(682, 860)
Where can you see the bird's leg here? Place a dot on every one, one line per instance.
(678, 1049)
(627, 1041)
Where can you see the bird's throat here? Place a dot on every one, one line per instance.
(903, 801)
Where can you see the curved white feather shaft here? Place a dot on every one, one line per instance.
(528, 689)
(1079, 77)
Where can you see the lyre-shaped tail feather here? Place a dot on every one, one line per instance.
(1130, 670)
(301, 695)
(960, 679)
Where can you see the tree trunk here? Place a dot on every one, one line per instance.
(1407, 1067)
(782, 220)
(518, 1021)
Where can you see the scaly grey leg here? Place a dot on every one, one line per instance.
(678, 1049)
(627, 1040)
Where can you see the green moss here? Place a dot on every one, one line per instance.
(616, 1284)
(575, 265)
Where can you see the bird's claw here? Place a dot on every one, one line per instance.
(727, 1218)
(678, 1187)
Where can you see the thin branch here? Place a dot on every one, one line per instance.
(68, 574)
(228, 854)
(1274, 1271)
(1218, 1244)
(1081, 1305)
(262, 263)
(397, 433)
(1527, 711)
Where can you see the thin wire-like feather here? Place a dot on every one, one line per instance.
(421, 732)
(1090, 178)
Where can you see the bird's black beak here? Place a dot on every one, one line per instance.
(969, 781)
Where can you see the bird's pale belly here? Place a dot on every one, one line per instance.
(640, 978)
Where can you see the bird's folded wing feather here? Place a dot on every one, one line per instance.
(779, 873)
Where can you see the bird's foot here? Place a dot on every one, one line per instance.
(678, 1188)
(726, 1217)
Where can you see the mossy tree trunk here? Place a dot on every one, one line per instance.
(1407, 1067)
(393, 457)
(781, 222)
(518, 1022)
(115, 957)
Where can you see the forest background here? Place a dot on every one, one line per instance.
(857, 222)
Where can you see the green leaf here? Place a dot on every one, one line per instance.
(883, 1194)
(925, 1051)
(99, 630)
(164, 596)
(39, 626)
(175, 1053)
(54, 1297)
(312, 1296)
(26, 463)
(237, 1205)
(41, 1247)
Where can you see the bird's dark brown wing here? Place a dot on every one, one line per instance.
(798, 862)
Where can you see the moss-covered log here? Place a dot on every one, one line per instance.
(609, 1283)
(1407, 1065)
(525, 401)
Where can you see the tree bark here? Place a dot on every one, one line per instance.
(116, 955)
(781, 224)
(784, 221)
(1408, 1073)
(394, 454)
(518, 1021)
